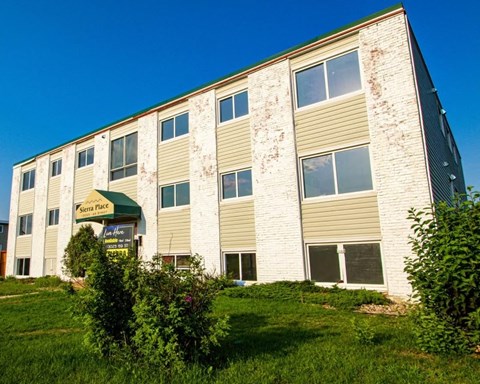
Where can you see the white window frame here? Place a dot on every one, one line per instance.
(232, 96)
(342, 265)
(27, 217)
(240, 253)
(56, 168)
(236, 184)
(30, 182)
(56, 216)
(17, 261)
(325, 76)
(87, 164)
(124, 167)
(174, 117)
(174, 185)
(175, 255)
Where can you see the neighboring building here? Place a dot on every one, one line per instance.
(3, 235)
(302, 166)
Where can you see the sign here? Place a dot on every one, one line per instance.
(95, 205)
(118, 237)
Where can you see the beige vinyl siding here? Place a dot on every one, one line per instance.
(54, 192)
(55, 156)
(234, 147)
(82, 146)
(51, 242)
(23, 246)
(237, 225)
(174, 230)
(231, 88)
(83, 184)
(325, 52)
(174, 160)
(127, 185)
(124, 130)
(334, 124)
(25, 202)
(340, 219)
(50, 267)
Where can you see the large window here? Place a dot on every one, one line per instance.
(85, 157)
(178, 261)
(28, 180)
(336, 173)
(234, 106)
(23, 266)
(174, 127)
(53, 215)
(123, 157)
(241, 266)
(347, 263)
(25, 225)
(237, 184)
(56, 167)
(175, 195)
(332, 78)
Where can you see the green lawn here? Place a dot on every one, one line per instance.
(270, 342)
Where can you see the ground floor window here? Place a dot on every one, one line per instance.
(241, 265)
(23, 266)
(348, 263)
(178, 261)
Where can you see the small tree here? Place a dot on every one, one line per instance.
(445, 274)
(77, 257)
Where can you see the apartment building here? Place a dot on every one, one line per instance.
(302, 166)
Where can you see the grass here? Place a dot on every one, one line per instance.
(271, 341)
(12, 286)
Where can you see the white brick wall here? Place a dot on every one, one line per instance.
(399, 165)
(101, 166)
(39, 215)
(148, 184)
(204, 210)
(274, 171)
(13, 220)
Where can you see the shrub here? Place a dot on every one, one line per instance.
(363, 331)
(445, 273)
(76, 258)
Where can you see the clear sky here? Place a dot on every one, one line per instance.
(70, 67)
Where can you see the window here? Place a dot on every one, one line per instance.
(123, 161)
(178, 261)
(347, 263)
(175, 195)
(336, 173)
(23, 266)
(1, 228)
(28, 180)
(174, 127)
(25, 225)
(234, 106)
(53, 215)
(332, 78)
(241, 266)
(85, 157)
(56, 167)
(237, 184)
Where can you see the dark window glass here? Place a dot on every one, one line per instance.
(168, 196)
(117, 153)
(182, 194)
(226, 109)
(123, 159)
(53, 216)
(131, 149)
(363, 263)
(241, 104)
(167, 129)
(28, 180)
(229, 186)
(23, 267)
(25, 225)
(249, 266)
(244, 180)
(343, 74)
(324, 264)
(232, 265)
(181, 125)
(310, 86)
(183, 261)
(56, 168)
(353, 170)
(318, 179)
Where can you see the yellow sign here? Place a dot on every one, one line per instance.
(94, 205)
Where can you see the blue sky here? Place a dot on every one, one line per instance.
(70, 67)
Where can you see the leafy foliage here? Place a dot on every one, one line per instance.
(77, 254)
(306, 291)
(363, 331)
(445, 274)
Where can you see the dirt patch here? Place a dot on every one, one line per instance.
(393, 309)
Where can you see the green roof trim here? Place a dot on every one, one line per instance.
(270, 58)
(124, 206)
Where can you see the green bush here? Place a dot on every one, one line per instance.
(48, 282)
(363, 332)
(149, 312)
(76, 258)
(445, 273)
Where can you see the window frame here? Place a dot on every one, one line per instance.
(234, 117)
(175, 260)
(341, 257)
(25, 267)
(335, 174)
(31, 180)
(240, 268)
(86, 151)
(56, 168)
(27, 225)
(236, 172)
(55, 216)
(326, 79)
(174, 185)
(174, 119)
(124, 166)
